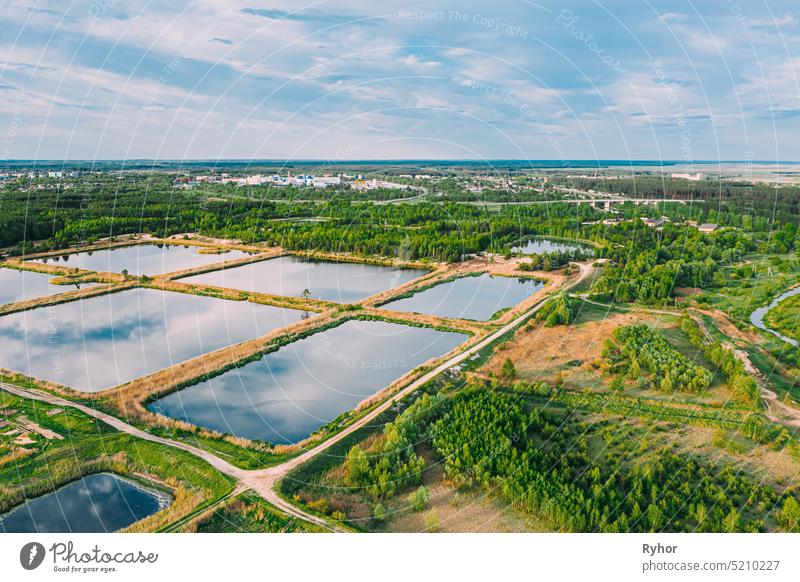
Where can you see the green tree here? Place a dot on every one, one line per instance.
(508, 371)
(379, 512)
(432, 523)
(790, 515)
(419, 498)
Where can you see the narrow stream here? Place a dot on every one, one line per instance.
(757, 317)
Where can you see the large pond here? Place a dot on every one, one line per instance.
(97, 503)
(469, 297)
(99, 342)
(291, 275)
(23, 285)
(289, 393)
(539, 246)
(757, 317)
(143, 259)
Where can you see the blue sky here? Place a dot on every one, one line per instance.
(344, 80)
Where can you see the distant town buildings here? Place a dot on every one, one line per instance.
(300, 180)
(707, 227)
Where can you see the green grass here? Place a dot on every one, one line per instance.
(785, 317)
(587, 312)
(586, 285)
(251, 514)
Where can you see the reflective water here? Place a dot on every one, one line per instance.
(538, 246)
(289, 393)
(757, 317)
(97, 503)
(143, 259)
(23, 285)
(102, 341)
(469, 297)
(291, 275)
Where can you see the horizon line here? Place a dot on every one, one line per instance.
(405, 160)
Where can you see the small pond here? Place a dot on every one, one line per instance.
(538, 246)
(98, 503)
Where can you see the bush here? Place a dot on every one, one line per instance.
(379, 512)
(559, 310)
(508, 371)
(432, 522)
(319, 505)
(419, 499)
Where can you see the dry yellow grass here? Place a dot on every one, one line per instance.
(16, 455)
(536, 349)
(183, 502)
(229, 264)
(64, 297)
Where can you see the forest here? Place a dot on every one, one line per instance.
(729, 202)
(638, 348)
(541, 462)
(743, 386)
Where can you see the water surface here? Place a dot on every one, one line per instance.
(539, 246)
(102, 341)
(23, 285)
(286, 395)
(327, 280)
(475, 298)
(147, 259)
(757, 317)
(97, 503)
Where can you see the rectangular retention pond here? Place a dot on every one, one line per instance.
(98, 503)
(96, 343)
(146, 259)
(24, 285)
(475, 298)
(289, 393)
(326, 280)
